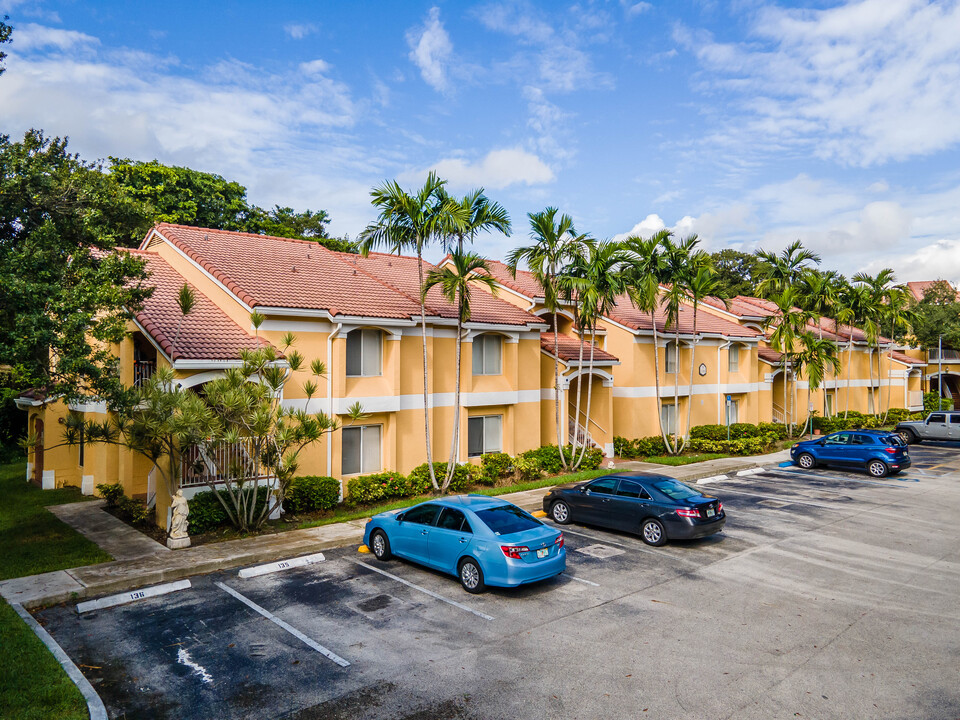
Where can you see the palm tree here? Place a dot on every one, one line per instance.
(785, 269)
(853, 300)
(872, 316)
(594, 280)
(819, 293)
(555, 244)
(456, 280)
(644, 274)
(816, 357)
(474, 213)
(679, 267)
(898, 316)
(410, 221)
(789, 324)
(702, 283)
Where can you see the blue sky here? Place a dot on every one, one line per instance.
(749, 123)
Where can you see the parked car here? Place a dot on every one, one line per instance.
(937, 426)
(657, 507)
(879, 452)
(480, 539)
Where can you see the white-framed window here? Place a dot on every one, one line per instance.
(487, 354)
(733, 411)
(670, 363)
(870, 408)
(668, 415)
(733, 358)
(829, 404)
(361, 450)
(484, 435)
(364, 352)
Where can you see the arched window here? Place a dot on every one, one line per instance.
(364, 352)
(487, 354)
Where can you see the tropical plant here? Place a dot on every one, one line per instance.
(411, 221)
(875, 296)
(782, 271)
(555, 243)
(819, 294)
(898, 316)
(789, 325)
(701, 282)
(455, 280)
(815, 359)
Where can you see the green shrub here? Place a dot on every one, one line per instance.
(741, 446)
(776, 429)
(379, 486)
(641, 447)
(112, 493)
(493, 467)
(548, 458)
(933, 402)
(206, 512)
(897, 415)
(311, 493)
(463, 476)
(527, 468)
(135, 512)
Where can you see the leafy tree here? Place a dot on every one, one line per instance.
(5, 36)
(456, 282)
(555, 241)
(737, 273)
(935, 316)
(65, 295)
(784, 270)
(411, 221)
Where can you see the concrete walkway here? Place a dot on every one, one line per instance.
(113, 536)
(145, 565)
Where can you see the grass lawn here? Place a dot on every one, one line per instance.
(684, 459)
(33, 540)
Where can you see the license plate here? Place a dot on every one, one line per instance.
(543, 552)
(711, 512)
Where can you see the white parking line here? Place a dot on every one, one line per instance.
(132, 596)
(581, 580)
(424, 590)
(289, 628)
(638, 548)
(281, 565)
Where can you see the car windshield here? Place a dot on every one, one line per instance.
(507, 519)
(675, 490)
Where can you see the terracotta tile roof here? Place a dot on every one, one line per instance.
(207, 333)
(569, 349)
(906, 359)
(524, 283)
(920, 288)
(265, 271)
(626, 314)
(770, 355)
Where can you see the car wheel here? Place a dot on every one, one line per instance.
(380, 546)
(652, 532)
(806, 461)
(877, 468)
(910, 437)
(471, 576)
(560, 512)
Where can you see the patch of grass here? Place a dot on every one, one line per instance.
(33, 686)
(32, 539)
(347, 513)
(676, 460)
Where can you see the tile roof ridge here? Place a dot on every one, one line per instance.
(243, 233)
(386, 284)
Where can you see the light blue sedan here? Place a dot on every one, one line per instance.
(480, 539)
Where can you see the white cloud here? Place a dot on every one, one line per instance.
(496, 170)
(548, 122)
(651, 224)
(30, 37)
(938, 260)
(298, 31)
(430, 50)
(863, 83)
(635, 8)
(315, 67)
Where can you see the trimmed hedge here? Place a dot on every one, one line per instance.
(206, 512)
(741, 446)
(493, 467)
(135, 512)
(310, 493)
(548, 458)
(380, 486)
(641, 447)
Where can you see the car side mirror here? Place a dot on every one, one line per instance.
(400, 517)
(583, 488)
(822, 443)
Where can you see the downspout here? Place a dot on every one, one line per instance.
(720, 418)
(330, 338)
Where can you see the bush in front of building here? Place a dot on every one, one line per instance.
(382, 486)
(310, 493)
(112, 493)
(932, 402)
(548, 458)
(741, 446)
(527, 468)
(133, 511)
(641, 447)
(207, 513)
(493, 467)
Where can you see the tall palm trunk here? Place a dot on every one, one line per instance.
(455, 433)
(676, 383)
(556, 385)
(693, 352)
(846, 407)
(586, 417)
(656, 378)
(426, 381)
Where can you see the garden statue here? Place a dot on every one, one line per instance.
(179, 538)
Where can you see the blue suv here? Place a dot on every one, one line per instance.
(879, 452)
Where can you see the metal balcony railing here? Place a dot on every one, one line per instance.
(143, 370)
(218, 462)
(945, 354)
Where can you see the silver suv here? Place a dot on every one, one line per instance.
(942, 425)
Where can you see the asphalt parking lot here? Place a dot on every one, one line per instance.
(828, 595)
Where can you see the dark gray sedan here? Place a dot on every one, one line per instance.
(657, 507)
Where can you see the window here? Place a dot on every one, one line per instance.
(838, 439)
(364, 353)
(483, 435)
(361, 450)
(937, 418)
(453, 519)
(507, 519)
(733, 411)
(675, 490)
(670, 364)
(829, 398)
(870, 408)
(954, 420)
(486, 354)
(631, 489)
(603, 486)
(733, 359)
(862, 440)
(668, 416)
(422, 514)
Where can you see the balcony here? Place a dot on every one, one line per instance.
(218, 462)
(946, 355)
(143, 370)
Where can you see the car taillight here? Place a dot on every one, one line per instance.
(688, 512)
(513, 551)
(891, 450)
(559, 541)
(719, 506)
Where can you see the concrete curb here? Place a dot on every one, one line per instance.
(94, 704)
